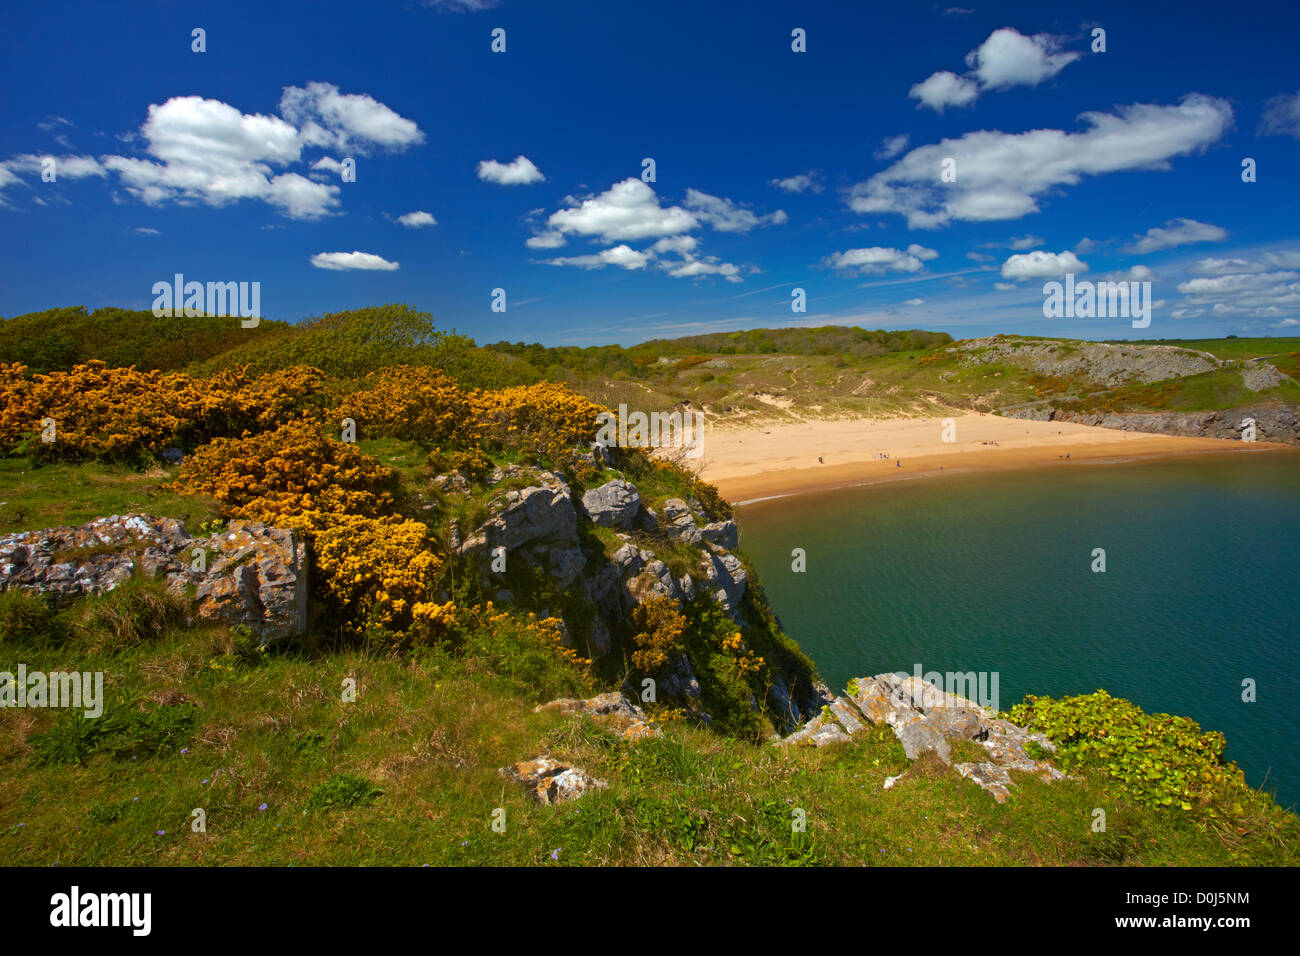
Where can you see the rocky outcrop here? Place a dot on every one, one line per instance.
(924, 719)
(248, 574)
(1274, 421)
(539, 525)
(614, 504)
(613, 710)
(550, 782)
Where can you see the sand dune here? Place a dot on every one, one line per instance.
(763, 461)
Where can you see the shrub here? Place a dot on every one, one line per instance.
(658, 627)
(525, 650)
(1156, 759)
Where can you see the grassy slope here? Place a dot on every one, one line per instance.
(430, 733)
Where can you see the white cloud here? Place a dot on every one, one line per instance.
(628, 210)
(460, 6)
(146, 231)
(416, 220)
(725, 215)
(1041, 265)
(620, 255)
(1005, 286)
(943, 89)
(210, 152)
(1085, 246)
(892, 146)
(545, 240)
(1286, 323)
(1000, 175)
(803, 182)
(518, 172)
(678, 244)
(921, 252)
(978, 257)
(1177, 232)
(691, 267)
(1281, 116)
(1008, 58)
(879, 259)
(340, 261)
(1026, 242)
(351, 122)
(1264, 286)
(1138, 273)
(914, 302)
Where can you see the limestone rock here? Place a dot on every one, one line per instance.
(613, 505)
(550, 782)
(251, 574)
(613, 710)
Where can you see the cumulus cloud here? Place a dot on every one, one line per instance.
(628, 210)
(417, 220)
(891, 146)
(620, 255)
(1176, 232)
(341, 261)
(943, 89)
(1281, 116)
(803, 182)
(1264, 286)
(1042, 265)
(876, 260)
(518, 172)
(1138, 273)
(349, 122)
(725, 215)
(206, 151)
(1007, 58)
(1001, 175)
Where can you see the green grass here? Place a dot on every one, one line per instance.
(288, 773)
(34, 497)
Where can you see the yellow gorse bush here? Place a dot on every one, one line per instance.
(376, 565)
(123, 413)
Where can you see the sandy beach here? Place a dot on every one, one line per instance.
(781, 459)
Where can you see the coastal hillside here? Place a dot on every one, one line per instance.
(1200, 388)
(395, 612)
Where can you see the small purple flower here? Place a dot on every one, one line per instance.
(555, 854)
(262, 807)
(135, 799)
(464, 842)
(161, 832)
(205, 781)
(185, 750)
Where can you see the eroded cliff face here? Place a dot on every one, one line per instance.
(1274, 421)
(595, 585)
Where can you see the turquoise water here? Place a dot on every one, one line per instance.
(993, 573)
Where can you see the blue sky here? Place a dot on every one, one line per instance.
(773, 169)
